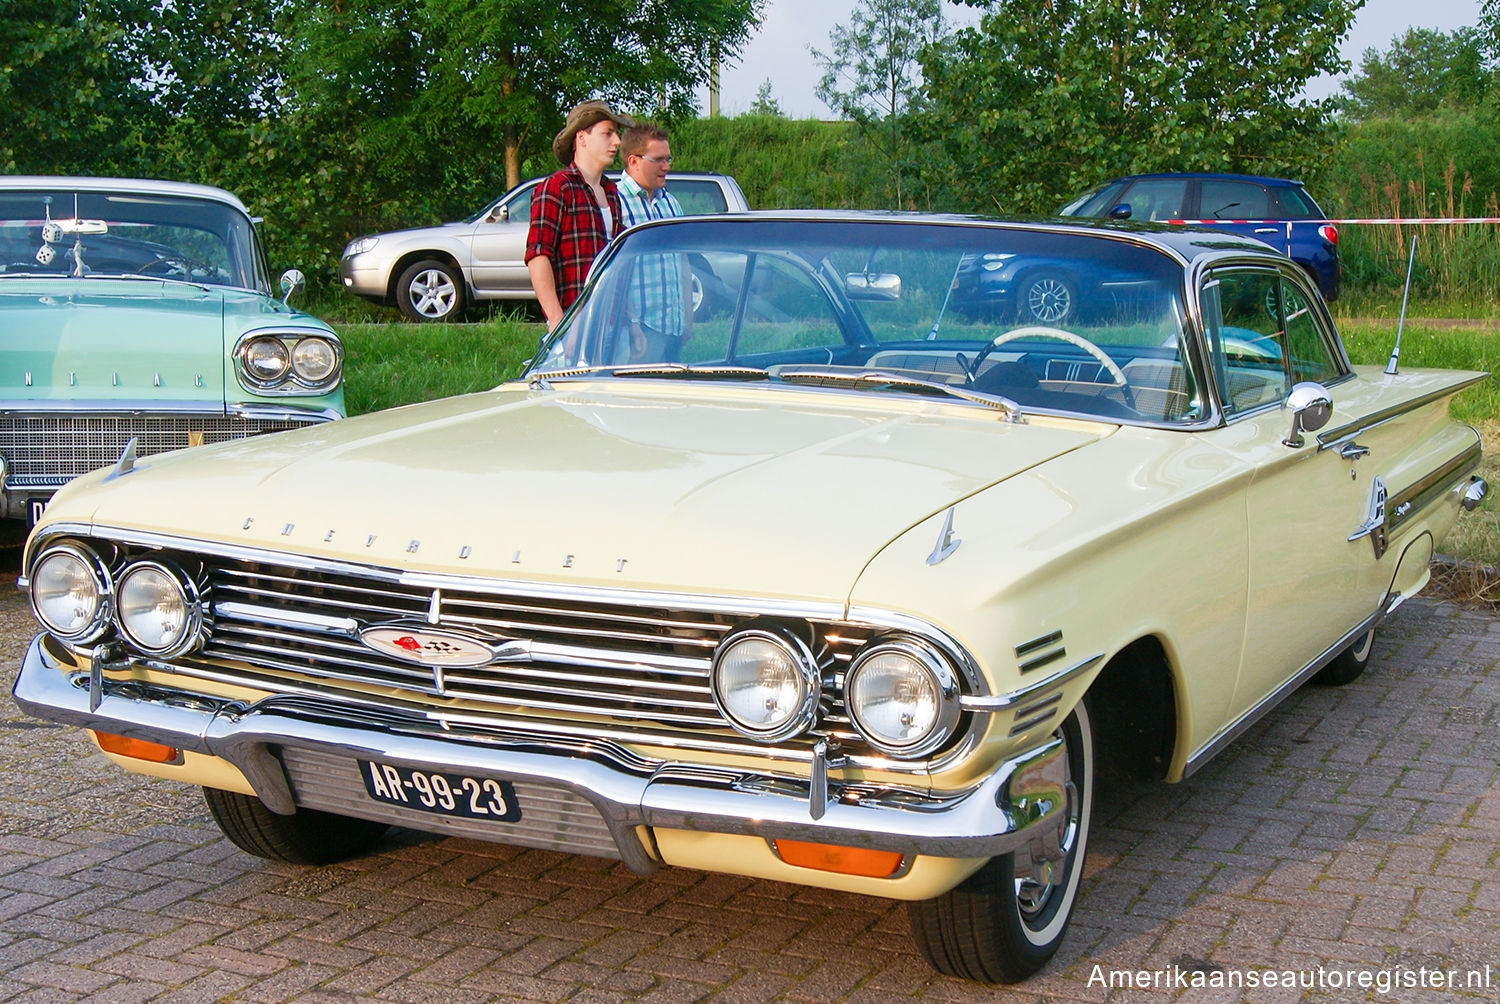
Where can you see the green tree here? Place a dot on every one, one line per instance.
(1045, 98)
(66, 92)
(872, 75)
(764, 103)
(1422, 71)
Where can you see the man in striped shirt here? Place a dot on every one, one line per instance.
(661, 292)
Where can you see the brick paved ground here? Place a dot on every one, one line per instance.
(1356, 828)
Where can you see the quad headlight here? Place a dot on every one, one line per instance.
(289, 362)
(903, 697)
(158, 608)
(766, 683)
(70, 594)
(153, 606)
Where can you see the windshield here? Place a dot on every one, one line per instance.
(1054, 322)
(83, 234)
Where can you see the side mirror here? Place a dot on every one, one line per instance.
(1311, 406)
(292, 281)
(1120, 212)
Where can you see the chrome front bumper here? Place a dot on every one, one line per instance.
(1015, 808)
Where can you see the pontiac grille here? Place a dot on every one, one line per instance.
(51, 450)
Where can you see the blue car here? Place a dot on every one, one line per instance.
(1275, 211)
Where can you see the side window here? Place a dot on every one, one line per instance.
(518, 210)
(1233, 200)
(1262, 338)
(1156, 199)
(785, 309)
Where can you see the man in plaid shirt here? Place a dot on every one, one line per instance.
(575, 211)
(659, 292)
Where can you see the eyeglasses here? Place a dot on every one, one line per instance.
(656, 160)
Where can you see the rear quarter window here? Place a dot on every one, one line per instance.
(698, 198)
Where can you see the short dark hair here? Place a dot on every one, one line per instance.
(633, 143)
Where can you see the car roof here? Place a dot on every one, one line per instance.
(1185, 243)
(1211, 175)
(148, 186)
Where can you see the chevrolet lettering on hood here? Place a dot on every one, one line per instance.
(908, 570)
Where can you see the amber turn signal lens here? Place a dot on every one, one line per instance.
(138, 749)
(833, 858)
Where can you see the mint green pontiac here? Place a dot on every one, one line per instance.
(860, 580)
(141, 311)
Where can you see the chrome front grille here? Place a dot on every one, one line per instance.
(609, 668)
(48, 450)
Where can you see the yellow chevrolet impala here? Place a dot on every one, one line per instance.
(858, 579)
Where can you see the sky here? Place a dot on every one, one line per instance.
(779, 51)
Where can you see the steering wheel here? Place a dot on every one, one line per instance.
(173, 267)
(971, 369)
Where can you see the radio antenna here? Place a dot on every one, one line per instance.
(1390, 367)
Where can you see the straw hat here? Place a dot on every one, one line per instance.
(584, 115)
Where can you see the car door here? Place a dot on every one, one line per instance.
(1311, 581)
(497, 247)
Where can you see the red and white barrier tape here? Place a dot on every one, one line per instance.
(1404, 221)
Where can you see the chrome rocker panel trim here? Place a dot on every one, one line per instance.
(1008, 810)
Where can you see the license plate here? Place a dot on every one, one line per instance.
(34, 510)
(441, 792)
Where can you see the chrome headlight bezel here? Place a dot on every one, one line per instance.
(294, 375)
(188, 636)
(930, 664)
(801, 714)
(98, 573)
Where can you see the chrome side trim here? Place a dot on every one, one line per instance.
(1334, 438)
(1412, 500)
(1217, 743)
(1027, 695)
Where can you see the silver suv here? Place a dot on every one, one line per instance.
(433, 273)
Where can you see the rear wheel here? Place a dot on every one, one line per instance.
(308, 837)
(996, 926)
(431, 290)
(1349, 664)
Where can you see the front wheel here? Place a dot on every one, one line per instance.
(996, 926)
(307, 837)
(430, 290)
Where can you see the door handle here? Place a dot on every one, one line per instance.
(1353, 451)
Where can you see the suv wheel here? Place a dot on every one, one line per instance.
(430, 290)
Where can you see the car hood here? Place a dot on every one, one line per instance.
(104, 340)
(762, 492)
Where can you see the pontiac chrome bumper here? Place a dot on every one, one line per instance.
(1009, 810)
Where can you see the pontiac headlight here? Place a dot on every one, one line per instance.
(70, 594)
(157, 609)
(903, 697)
(766, 683)
(314, 360)
(267, 360)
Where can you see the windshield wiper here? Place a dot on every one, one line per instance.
(659, 370)
(883, 379)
